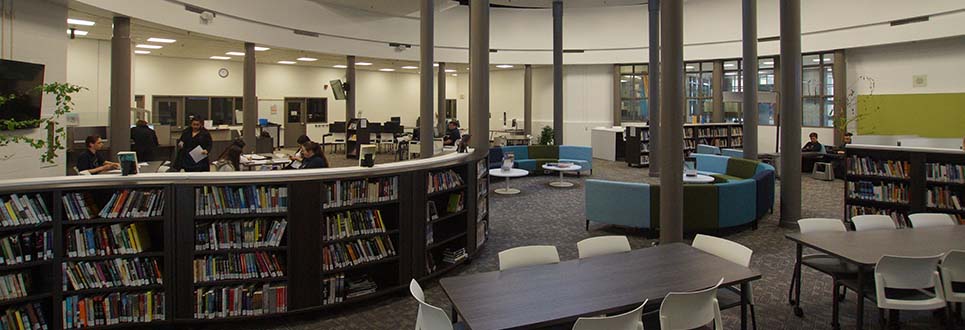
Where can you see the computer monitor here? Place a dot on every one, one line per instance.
(392, 127)
(396, 119)
(337, 127)
(374, 127)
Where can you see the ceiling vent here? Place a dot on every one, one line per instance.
(910, 20)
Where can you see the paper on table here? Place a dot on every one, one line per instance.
(196, 154)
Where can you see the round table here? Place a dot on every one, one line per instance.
(511, 173)
(561, 183)
(699, 178)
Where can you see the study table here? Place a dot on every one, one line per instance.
(544, 295)
(864, 248)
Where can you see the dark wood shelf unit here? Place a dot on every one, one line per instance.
(448, 216)
(102, 221)
(95, 291)
(447, 191)
(445, 241)
(23, 228)
(357, 206)
(25, 299)
(243, 250)
(25, 265)
(363, 236)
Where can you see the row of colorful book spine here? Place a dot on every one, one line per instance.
(18, 210)
(345, 254)
(235, 266)
(886, 168)
(880, 192)
(900, 218)
(241, 234)
(440, 181)
(26, 247)
(242, 300)
(942, 197)
(14, 285)
(107, 240)
(352, 223)
(350, 192)
(24, 317)
(217, 200)
(111, 273)
(945, 172)
(130, 203)
(114, 308)
(338, 288)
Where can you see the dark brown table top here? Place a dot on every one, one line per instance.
(549, 294)
(866, 247)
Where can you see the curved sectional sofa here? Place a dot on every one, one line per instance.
(533, 157)
(742, 194)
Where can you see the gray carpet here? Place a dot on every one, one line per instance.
(547, 215)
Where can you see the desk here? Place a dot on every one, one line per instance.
(864, 248)
(269, 160)
(544, 295)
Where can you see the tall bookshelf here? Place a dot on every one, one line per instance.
(27, 217)
(723, 135)
(897, 181)
(446, 233)
(357, 134)
(481, 204)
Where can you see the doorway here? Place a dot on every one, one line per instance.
(167, 110)
(295, 121)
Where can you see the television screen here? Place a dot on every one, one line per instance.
(337, 89)
(21, 80)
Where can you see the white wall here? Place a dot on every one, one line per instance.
(33, 31)
(893, 66)
(587, 100)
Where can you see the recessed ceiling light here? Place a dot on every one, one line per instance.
(148, 46)
(815, 60)
(307, 59)
(161, 40)
(79, 22)
(623, 81)
(450, 70)
(769, 63)
(409, 67)
(219, 58)
(455, 75)
(286, 62)
(340, 66)
(261, 49)
(386, 70)
(78, 32)
(435, 65)
(363, 63)
(235, 53)
(142, 52)
(504, 66)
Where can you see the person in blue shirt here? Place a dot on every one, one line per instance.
(452, 133)
(313, 157)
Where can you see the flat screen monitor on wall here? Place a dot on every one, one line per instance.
(338, 89)
(20, 79)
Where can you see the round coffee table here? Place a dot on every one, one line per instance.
(699, 178)
(561, 183)
(511, 173)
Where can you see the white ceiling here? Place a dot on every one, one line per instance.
(411, 7)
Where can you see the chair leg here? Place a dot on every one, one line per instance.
(753, 318)
(835, 302)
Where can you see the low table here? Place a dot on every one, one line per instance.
(561, 183)
(511, 173)
(699, 178)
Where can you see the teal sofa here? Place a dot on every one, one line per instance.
(532, 158)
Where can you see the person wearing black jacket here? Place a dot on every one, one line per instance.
(313, 156)
(190, 139)
(90, 161)
(145, 141)
(452, 134)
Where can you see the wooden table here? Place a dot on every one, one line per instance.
(864, 248)
(544, 295)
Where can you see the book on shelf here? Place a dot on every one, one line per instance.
(351, 192)
(482, 208)
(431, 212)
(240, 300)
(114, 308)
(454, 255)
(18, 210)
(945, 172)
(14, 285)
(239, 234)
(338, 288)
(360, 251)
(237, 266)
(942, 197)
(26, 247)
(112, 273)
(24, 317)
(456, 203)
(106, 240)
(879, 192)
(352, 223)
(900, 219)
(217, 200)
(440, 181)
(124, 203)
(483, 187)
(887, 168)
(482, 166)
(430, 237)
(482, 232)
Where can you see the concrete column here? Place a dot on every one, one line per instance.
(120, 116)
(840, 73)
(350, 94)
(441, 98)
(479, 77)
(558, 72)
(250, 108)
(790, 11)
(750, 68)
(717, 90)
(426, 47)
(653, 71)
(617, 99)
(672, 121)
(528, 99)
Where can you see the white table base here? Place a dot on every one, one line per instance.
(506, 190)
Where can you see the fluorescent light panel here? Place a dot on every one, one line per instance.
(286, 62)
(78, 32)
(455, 75)
(142, 52)
(504, 66)
(435, 65)
(75, 21)
(161, 40)
(261, 49)
(340, 66)
(235, 53)
(146, 46)
(220, 58)
(307, 59)
(387, 70)
(363, 63)
(450, 70)
(409, 67)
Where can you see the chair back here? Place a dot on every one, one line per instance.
(725, 249)
(907, 272)
(690, 310)
(429, 317)
(528, 256)
(632, 320)
(595, 246)
(923, 220)
(814, 225)
(872, 222)
(953, 270)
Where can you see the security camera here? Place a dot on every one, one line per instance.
(207, 17)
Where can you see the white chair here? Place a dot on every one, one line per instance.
(913, 277)
(872, 222)
(953, 271)
(923, 220)
(528, 256)
(733, 252)
(632, 320)
(689, 310)
(429, 317)
(821, 262)
(595, 246)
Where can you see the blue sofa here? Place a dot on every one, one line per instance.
(533, 157)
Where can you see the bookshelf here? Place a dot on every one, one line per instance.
(27, 246)
(357, 134)
(723, 135)
(897, 181)
(446, 224)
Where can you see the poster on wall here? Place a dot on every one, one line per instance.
(274, 109)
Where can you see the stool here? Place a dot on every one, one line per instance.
(823, 171)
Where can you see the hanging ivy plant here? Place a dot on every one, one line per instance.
(56, 136)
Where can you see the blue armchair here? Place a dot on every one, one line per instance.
(582, 156)
(708, 149)
(618, 203)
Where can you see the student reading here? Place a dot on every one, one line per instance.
(813, 145)
(90, 161)
(190, 139)
(313, 156)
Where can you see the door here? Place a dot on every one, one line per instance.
(167, 110)
(450, 110)
(295, 121)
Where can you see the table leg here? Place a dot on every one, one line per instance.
(507, 183)
(561, 178)
(798, 311)
(455, 315)
(745, 287)
(859, 317)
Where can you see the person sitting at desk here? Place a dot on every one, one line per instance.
(313, 156)
(813, 145)
(145, 141)
(452, 134)
(299, 155)
(230, 160)
(845, 141)
(90, 161)
(197, 136)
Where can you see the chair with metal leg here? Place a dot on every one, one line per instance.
(430, 317)
(632, 320)
(690, 310)
(953, 278)
(872, 222)
(904, 283)
(734, 252)
(821, 262)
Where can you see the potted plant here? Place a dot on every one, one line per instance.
(546, 136)
(56, 136)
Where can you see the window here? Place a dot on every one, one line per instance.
(699, 94)
(223, 110)
(634, 89)
(765, 83)
(195, 107)
(317, 110)
(733, 82)
(817, 94)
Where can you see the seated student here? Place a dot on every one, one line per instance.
(313, 156)
(298, 156)
(230, 160)
(813, 145)
(90, 161)
(845, 141)
(452, 134)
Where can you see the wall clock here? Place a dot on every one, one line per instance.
(223, 73)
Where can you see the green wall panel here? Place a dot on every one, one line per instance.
(926, 115)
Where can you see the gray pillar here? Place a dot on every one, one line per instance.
(791, 111)
(749, 65)
(558, 72)
(120, 117)
(528, 99)
(250, 109)
(717, 96)
(653, 69)
(617, 106)
(441, 111)
(426, 48)
(672, 121)
(479, 77)
(350, 94)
